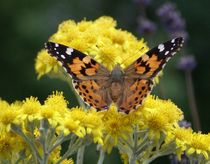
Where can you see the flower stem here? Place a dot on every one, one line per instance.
(101, 156)
(35, 154)
(192, 101)
(80, 154)
(132, 159)
(44, 130)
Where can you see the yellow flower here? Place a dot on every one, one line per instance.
(100, 39)
(199, 144)
(8, 115)
(53, 117)
(30, 109)
(181, 136)
(56, 155)
(124, 158)
(54, 108)
(94, 126)
(160, 116)
(116, 127)
(10, 144)
(68, 125)
(90, 121)
(57, 103)
(67, 161)
(44, 64)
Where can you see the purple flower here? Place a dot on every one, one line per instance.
(145, 26)
(172, 20)
(174, 159)
(184, 124)
(187, 63)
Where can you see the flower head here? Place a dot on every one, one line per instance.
(10, 144)
(45, 64)
(8, 115)
(187, 63)
(172, 20)
(146, 26)
(160, 115)
(199, 144)
(30, 109)
(116, 127)
(100, 39)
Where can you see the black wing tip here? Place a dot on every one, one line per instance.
(48, 45)
(179, 40)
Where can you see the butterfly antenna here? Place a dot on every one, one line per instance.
(137, 52)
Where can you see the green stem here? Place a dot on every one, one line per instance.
(59, 141)
(80, 155)
(44, 133)
(32, 146)
(132, 159)
(192, 101)
(101, 156)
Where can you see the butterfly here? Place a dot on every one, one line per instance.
(127, 88)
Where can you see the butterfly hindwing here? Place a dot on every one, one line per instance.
(92, 93)
(152, 62)
(135, 93)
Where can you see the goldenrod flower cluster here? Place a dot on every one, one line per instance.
(153, 125)
(100, 39)
(32, 131)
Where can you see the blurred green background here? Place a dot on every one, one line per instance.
(26, 25)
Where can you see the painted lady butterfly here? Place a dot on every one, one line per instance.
(98, 87)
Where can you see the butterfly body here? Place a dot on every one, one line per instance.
(127, 88)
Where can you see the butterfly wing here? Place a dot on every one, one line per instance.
(139, 75)
(151, 63)
(136, 90)
(77, 64)
(89, 77)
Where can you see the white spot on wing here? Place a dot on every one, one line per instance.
(173, 40)
(173, 53)
(163, 65)
(57, 52)
(167, 52)
(56, 45)
(69, 51)
(161, 47)
(167, 59)
(62, 56)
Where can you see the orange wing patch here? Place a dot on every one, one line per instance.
(147, 65)
(85, 67)
(135, 94)
(91, 93)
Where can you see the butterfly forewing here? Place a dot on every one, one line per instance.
(76, 63)
(151, 63)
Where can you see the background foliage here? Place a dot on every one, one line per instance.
(26, 25)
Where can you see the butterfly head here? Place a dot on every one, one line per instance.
(117, 74)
